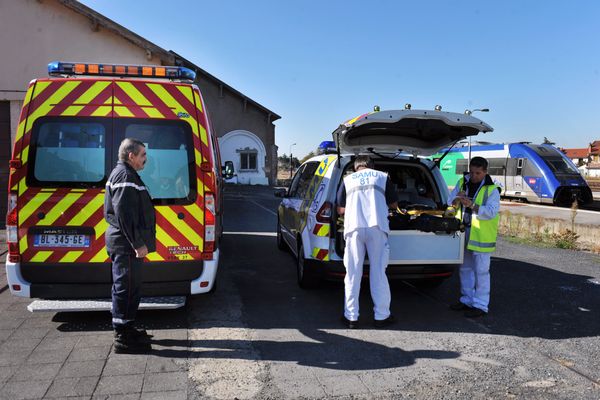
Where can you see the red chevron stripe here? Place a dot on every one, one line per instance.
(56, 255)
(155, 100)
(190, 220)
(45, 207)
(98, 243)
(199, 110)
(71, 97)
(97, 101)
(18, 174)
(128, 102)
(173, 231)
(322, 253)
(208, 182)
(43, 96)
(190, 108)
(24, 113)
(87, 196)
(162, 250)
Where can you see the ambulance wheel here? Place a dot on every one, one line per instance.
(214, 287)
(307, 275)
(280, 242)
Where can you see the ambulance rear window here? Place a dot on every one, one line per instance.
(68, 152)
(169, 172)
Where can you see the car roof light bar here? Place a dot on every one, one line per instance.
(58, 68)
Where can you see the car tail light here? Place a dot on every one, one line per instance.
(324, 214)
(209, 223)
(12, 237)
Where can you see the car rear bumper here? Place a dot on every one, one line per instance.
(81, 281)
(335, 270)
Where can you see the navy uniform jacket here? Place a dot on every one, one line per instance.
(129, 211)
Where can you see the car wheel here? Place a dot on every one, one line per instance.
(280, 242)
(213, 288)
(307, 275)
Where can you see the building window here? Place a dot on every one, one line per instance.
(248, 161)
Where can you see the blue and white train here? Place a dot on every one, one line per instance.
(538, 173)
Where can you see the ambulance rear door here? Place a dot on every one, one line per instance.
(164, 116)
(62, 144)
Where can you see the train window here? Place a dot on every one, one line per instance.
(496, 166)
(520, 163)
(560, 166)
(461, 166)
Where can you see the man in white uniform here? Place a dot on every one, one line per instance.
(364, 199)
(477, 199)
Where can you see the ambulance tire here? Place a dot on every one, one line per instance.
(213, 288)
(308, 278)
(281, 245)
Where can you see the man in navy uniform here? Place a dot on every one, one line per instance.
(130, 236)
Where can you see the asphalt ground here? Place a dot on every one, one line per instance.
(260, 336)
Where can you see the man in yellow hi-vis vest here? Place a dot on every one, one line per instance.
(477, 199)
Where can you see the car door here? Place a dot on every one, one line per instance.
(298, 213)
(287, 208)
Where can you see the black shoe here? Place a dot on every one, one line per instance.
(475, 313)
(349, 324)
(139, 335)
(382, 323)
(460, 306)
(125, 343)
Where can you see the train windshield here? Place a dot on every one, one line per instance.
(560, 166)
(557, 162)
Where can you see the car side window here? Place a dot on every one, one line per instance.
(305, 178)
(294, 185)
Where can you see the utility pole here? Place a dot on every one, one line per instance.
(291, 161)
(469, 112)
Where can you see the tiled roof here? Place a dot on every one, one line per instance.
(576, 153)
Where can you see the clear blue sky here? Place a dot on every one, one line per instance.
(536, 65)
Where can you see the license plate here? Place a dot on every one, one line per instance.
(50, 240)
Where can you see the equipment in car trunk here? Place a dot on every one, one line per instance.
(432, 223)
(424, 220)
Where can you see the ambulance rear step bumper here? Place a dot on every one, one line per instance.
(147, 303)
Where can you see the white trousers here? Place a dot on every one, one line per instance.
(375, 242)
(475, 280)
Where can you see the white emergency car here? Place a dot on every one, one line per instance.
(424, 245)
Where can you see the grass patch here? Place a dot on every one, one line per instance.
(528, 242)
(536, 231)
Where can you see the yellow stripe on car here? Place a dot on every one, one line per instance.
(179, 224)
(60, 207)
(88, 210)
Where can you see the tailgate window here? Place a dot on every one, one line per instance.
(68, 152)
(169, 172)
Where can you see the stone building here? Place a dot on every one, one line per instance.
(67, 30)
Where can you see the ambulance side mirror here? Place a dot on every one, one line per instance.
(228, 170)
(280, 192)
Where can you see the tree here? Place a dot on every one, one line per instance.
(306, 157)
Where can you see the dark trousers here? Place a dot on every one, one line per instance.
(127, 282)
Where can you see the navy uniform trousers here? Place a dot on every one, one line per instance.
(127, 280)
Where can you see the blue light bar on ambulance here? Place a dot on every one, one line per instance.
(147, 71)
(326, 147)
